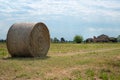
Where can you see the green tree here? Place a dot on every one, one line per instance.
(78, 39)
(51, 39)
(62, 40)
(118, 38)
(55, 40)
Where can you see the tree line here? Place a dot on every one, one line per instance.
(56, 40)
(2, 40)
(79, 39)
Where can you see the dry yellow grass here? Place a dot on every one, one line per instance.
(86, 62)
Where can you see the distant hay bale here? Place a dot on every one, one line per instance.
(28, 40)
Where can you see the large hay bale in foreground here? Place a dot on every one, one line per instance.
(28, 40)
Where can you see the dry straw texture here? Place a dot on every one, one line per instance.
(28, 40)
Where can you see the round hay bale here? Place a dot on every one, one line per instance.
(28, 40)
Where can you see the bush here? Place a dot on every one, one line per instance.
(55, 40)
(78, 39)
(62, 40)
(118, 38)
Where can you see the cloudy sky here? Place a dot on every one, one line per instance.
(64, 18)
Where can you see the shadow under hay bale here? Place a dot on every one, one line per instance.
(26, 58)
(28, 40)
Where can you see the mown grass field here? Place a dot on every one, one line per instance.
(65, 62)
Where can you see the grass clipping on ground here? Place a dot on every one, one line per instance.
(87, 62)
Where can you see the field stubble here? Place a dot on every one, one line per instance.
(65, 62)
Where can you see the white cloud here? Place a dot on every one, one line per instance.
(34, 10)
(101, 3)
(92, 29)
(58, 7)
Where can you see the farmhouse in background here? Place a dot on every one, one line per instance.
(101, 38)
